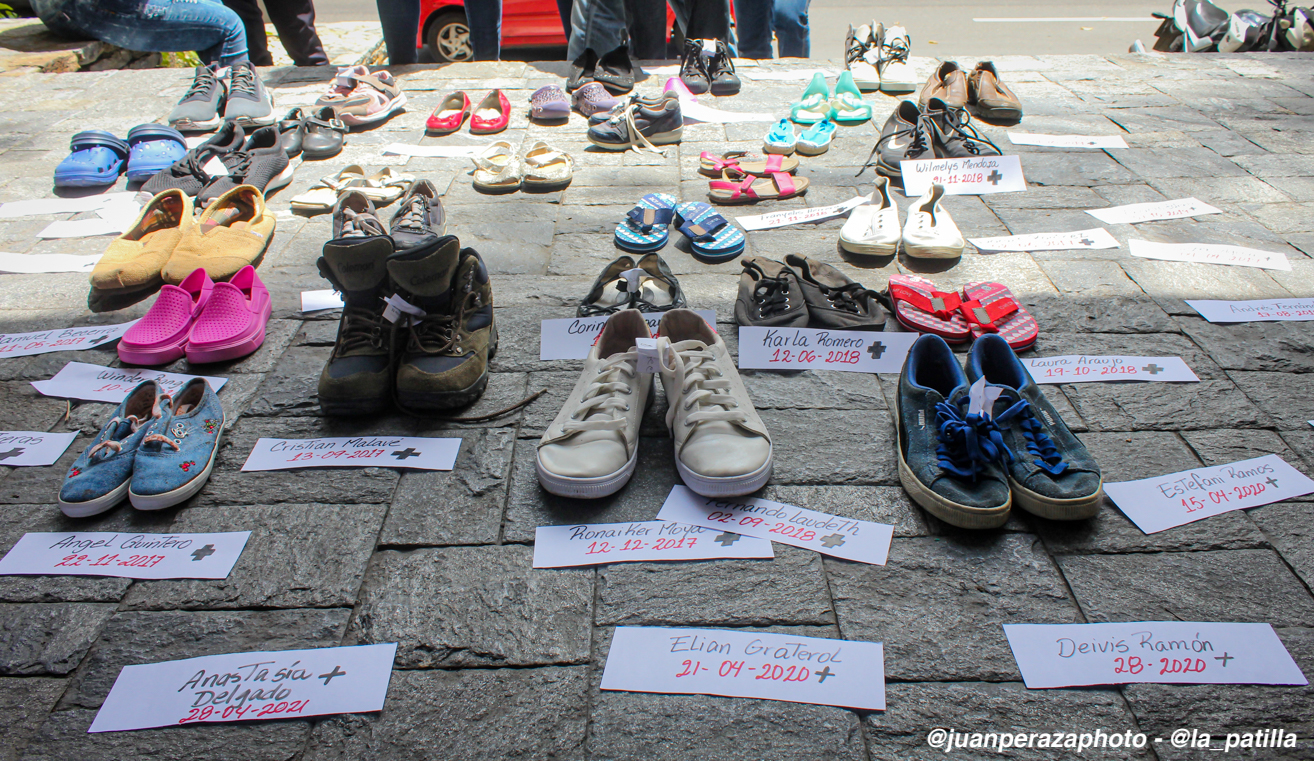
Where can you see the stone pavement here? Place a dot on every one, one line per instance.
(496, 660)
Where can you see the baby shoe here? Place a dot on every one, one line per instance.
(232, 323)
(100, 477)
(175, 459)
(782, 139)
(161, 336)
(815, 140)
(549, 103)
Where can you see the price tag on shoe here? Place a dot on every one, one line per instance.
(852, 351)
(354, 452)
(29, 448)
(1080, 368)
(95, 383)
(64, 339)
(599, 543)
(649, 360)
(1162, 502)
(126, 555)
(973, 176)
(573, 338)
(747, 664)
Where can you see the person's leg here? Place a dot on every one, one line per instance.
(791, 23)
(295, 22)
(753, 20)
(484, 17)
(596, 24)
(400, 20)
(647, 27)
(206, 26)
(563, 10)
(253, 21)
(708, 20)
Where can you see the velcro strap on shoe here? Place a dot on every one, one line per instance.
(705, 228)
(984, 316)
(774, 161)
(646, 219)
(784, 182)
(940, 304)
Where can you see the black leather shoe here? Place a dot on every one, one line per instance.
(582, 70)
(615, 71)
(325, 134)
(291, 130)
(721, 72)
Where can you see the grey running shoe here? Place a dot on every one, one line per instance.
(640, 126)
(419, 220)
(249, 103)
(198, 111)
(262, 162)
(188, 174)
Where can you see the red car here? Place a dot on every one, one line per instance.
(525, 23)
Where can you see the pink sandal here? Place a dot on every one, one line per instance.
(919, 306)
(161, 336)
(991, 308)
(713, 165)
(232, 324)
(741, 187)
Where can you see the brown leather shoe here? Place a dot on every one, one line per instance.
(990, 98)
(948, 83)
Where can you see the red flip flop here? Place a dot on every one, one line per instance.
(991, 308)
(919, 306)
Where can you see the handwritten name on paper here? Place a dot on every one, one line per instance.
(1207, 253)
(1146, 212)
(967, 176)
(126, 555)
(95, 383)
(852, 351)
(598, 543)
(1254, 311)
(64, 339)
(573, 338)
(1082, 368)
(354, 452)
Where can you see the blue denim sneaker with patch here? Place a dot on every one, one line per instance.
(99, 479)
(1050, 472)
(949, 459)
(174, 462)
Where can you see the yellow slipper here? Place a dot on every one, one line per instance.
(231, 233)
(134, 260)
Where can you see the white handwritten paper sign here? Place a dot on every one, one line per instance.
(1163, 502)
(740, 664)
(34, 264)
(63, 339)
(1160, 652)
(573, 338)
(248, 687)
(799, 216)
(1207, 253)
(853, 351)
(95, 383)
(354, 452)
(1082, 239)
(126, 555)
(1081, 368)
(598, 543)
(1067, 141)
(1146, 212)
(28, 448)
(964, 177)
(1254, 311)
(314, 301)
(848, 538)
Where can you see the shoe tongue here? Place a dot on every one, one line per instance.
(428, 278)
(356, 268)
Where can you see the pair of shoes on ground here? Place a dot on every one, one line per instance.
(417, 323)
(491, 116)
(641, 123)
(977, 309)
(358, 96)
(157, 451)
(647, 285)
(542, 168)
(220, 94)
(722, 448)
(228, 159)
(612, 70)
(646, 227)
(708, 67)
(202, 320)
(97, 158)
(928, 232)
(783, 139)
(382, 188)
(845, 105)
(878, 58)
(168, 241)
(803, 292)
(971, 445)
(934, 132)
(315, 133)
(980, 92)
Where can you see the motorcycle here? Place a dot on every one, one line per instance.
(1199, 26)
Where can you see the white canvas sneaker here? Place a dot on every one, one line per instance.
(873, 228)
(892, 62)
(590, 449)
(929, 232)
(861, 51)
(722, 449)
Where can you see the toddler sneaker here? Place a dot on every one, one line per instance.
(770, 295)
(359, 97)
(835, 301)
(101, 476)
(174, 460)
(133, 261)
(161, 336)
(232, 323)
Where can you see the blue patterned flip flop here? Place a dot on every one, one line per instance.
(710, 234)
(647, 226)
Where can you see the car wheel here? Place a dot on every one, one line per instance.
(449, 38)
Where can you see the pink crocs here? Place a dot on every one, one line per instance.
(233, 322)
(159, 337)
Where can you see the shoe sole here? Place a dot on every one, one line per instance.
(779, 150)
(586, 488)
(932, 252)
(962, 516)
(897, 87)
(182, 493)
(869, 249)
(661, 138)
(158, 356)
(95, 506)
(1055, 509)
(734, 486)
(281, 180)
(263, 121)
(725, 90)
(1001, 115)
(355, 120)
(446, 400)
(320, 154)
(810, 151)
(187, 125)
(867, 85)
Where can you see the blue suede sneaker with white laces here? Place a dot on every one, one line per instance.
(1050, 472)
(175, 461)
(99, 479)
(950, 459)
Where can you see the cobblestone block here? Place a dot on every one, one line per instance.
(48, 638)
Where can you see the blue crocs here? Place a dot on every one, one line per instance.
(174, 462)
(153, 148)
(815, 140)
(711, 236)
(100, 476)
(646, 226)
(97, 159)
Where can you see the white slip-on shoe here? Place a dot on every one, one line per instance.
(929, 232)
(590, 450)
(722, 449)
(873, 228)
(892, 61)
(860, 55)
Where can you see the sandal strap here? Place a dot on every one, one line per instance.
(646, 219)
(704, 228)
(774, 162)
(984, 316)
(737, 187)
(940, 304)
(784, 183)
(724, 161)
(92, 139)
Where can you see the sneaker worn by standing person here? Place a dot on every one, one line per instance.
(892, 60)
(249, 103)
(419, 221)
(860, 51)
(101, 476)
(835, 301)
(174, 461)
(989, 98)
(161, 336)
(949, 454)
(1049, 471)
(201, 106)
(640, 126)
(770, 296)
(722, 449)
(358, 377)
(952, 136)
(189, 173)
(948, 83)
(929, 232)
(232, 323)
(360, 97)
(232, 233)
(904, 137)
(693, 68)
(591, 448)
(615, 71)
(582, 70)
(262, 163)
(721, 72)
(133, 261)
(873, 228)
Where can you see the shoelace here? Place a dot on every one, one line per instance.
(692, 65)
(850, 298)
(644, 305)
(604, 401)
(362, 328)
(162, 439)
(967, 443)
(1039, 444)
(413, 218)
(202, 85)
(701, 383)
(855, 50)
(771, 294)
(721, 62)
(917, 146)
(958, 121)
(243, 81)
(357, 224)
(895, 51)
(133, 424)
(632, 130)
(242, 165)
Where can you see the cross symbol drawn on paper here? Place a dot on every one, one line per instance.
(1225, 658)
(1272, 481)
(876, 349)
(822, 674)
(834, 540)
(329, 676)
(203, 553)
(407, 452)
(96, 340)
(727, 539)
(994, 177)
(16, 451)
(1153, 369)
(1086, 242)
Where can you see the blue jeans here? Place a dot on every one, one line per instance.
(600, 24)
(150, 26)
(400, 20)
(757, 19)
